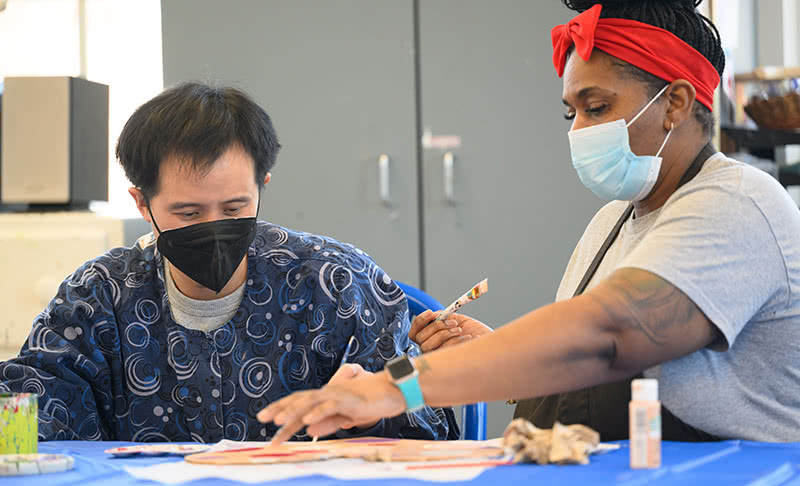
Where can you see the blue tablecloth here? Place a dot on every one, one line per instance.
(732, 462)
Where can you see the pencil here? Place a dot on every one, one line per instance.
(347, 350)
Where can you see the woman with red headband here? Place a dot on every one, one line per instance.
(691, 274)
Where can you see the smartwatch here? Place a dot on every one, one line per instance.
(404, 375)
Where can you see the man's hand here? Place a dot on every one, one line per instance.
(347, 372)
(361, 400)
(456, 329)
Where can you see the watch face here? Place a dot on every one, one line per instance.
(400, 367)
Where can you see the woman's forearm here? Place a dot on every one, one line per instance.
(553, 349)
(627, 323)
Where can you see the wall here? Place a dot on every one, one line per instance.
(115, 42)
(769, 41)
(744, 54)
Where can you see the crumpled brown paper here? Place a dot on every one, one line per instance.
(563, 444)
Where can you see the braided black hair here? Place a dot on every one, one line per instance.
(677, 16)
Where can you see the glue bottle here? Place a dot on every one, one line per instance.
(645, 424)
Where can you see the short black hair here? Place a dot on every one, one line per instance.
(197, 123)
(677, 16)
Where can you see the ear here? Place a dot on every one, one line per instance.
(681, 96)
(141, 203)
(267, 178)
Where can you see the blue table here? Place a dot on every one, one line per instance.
(733, 462)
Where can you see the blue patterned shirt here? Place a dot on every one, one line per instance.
(109, 362)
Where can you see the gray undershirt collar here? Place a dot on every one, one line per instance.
(200, 315)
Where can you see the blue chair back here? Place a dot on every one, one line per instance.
(473, 417)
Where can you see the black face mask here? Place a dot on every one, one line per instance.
(208, 253)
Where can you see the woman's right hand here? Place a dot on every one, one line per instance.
(431, 335)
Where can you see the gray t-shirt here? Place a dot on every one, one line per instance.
(730, 240)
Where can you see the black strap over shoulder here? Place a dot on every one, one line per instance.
(605, 407)
(693, 170)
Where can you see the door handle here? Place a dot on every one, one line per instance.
(448, 169)
(384, 182)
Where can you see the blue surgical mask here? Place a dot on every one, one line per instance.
(606, 165)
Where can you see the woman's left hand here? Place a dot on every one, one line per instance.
(431, 335)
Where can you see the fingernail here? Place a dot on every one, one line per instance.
(456, 330)
(451, 323)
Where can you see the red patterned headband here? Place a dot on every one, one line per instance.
(657, 51)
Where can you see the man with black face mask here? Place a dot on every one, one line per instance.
(204, 322)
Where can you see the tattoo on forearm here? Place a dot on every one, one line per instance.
(649, 303)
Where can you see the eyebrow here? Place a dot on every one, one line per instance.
(184, 205)
(583, 93)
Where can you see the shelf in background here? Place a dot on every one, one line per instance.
(789, 176)
(760, 138)
(769, 73)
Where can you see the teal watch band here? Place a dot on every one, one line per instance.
(412, 393)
